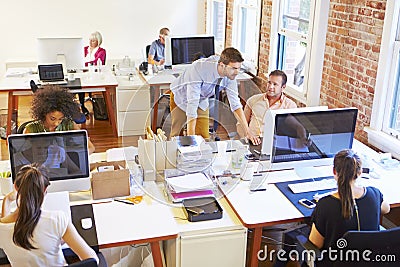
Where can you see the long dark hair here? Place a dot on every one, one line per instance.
(347, 165)
(31, 183)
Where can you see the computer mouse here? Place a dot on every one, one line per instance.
(86, 223)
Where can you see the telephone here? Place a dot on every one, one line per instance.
(143, 67)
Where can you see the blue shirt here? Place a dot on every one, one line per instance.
(197, 83)
(157, 50)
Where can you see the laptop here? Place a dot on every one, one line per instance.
(51, 74)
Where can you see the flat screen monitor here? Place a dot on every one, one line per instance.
(67, 51)
(305, 137)
(182, 50)
(64, 154)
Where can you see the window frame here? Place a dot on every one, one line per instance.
(316, 41)
(384, 87)
(219, 45)
(251, 64)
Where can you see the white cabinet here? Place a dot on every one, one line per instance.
(213, 243)
(133, 106)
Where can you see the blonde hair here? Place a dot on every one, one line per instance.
(96, 35)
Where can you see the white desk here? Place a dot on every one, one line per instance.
(164, 78)
(212, 243)
(119, 224)
(271, 207)
(105, 83)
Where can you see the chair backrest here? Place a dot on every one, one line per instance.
(21, 128)
(147, 51)
(383, 244)
(91, 262)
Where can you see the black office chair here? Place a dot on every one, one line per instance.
(147, 51)
(21, 128)
(73, 259)
(381, 244)
(91, 262)
(3, 258)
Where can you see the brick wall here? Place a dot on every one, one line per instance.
(351, 57)
(229, 19)
(351, 53)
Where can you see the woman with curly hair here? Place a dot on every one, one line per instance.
(53, 109)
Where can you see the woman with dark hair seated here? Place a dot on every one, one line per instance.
(31, 236)
(53, 109)
(352, 207)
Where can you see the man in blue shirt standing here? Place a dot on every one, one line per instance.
(191, 91)
(156, 54)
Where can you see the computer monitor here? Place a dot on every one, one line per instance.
(64, 50)
(64, 154)
(182, 50)
(305, 137)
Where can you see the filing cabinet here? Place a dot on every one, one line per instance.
(133, 106)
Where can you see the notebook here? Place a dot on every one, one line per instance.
(51, 74)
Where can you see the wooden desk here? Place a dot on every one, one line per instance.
(105, 83)
(164, 79)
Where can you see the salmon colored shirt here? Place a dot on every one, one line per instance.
(255, 109)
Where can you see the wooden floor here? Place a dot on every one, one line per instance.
(100, 132)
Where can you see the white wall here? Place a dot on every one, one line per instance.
(127, 26)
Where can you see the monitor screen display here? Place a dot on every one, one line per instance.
(312, 135)
(184, 49)
(64, 50)
(64, 154)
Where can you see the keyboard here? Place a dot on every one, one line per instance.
(53, 83)
(323, 184)
(294, 157)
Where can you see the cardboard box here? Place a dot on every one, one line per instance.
(109, 184)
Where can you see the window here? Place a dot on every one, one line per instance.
(246, 30)
(297, 43)
(384, 131)
(216, 13)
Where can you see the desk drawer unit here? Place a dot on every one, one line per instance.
(133, 106)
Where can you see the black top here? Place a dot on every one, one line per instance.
(328, 219)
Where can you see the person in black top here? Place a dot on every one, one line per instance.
(352, 207)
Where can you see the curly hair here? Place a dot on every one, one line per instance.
(53, 98)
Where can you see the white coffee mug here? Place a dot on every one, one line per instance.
(6, 185)
(71, 77)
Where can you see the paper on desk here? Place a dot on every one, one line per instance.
(57, 201)
(122, 153)
(190, 182)
(18, 72)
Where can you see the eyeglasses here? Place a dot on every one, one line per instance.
(238, 70)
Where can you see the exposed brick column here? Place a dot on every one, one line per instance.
(351, 57)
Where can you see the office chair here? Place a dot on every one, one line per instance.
(91, 262)
(73, 259)
(383, 244)
(147, 51)
(3, 258)
(21, 128)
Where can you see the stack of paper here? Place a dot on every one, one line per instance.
(194, 154)
(186, 186)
